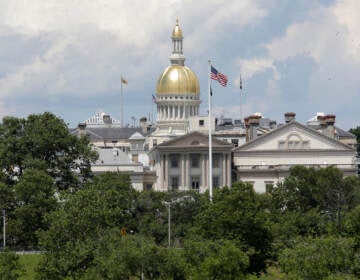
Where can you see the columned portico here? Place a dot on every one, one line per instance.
(186, 163)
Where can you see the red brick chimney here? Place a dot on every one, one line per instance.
(251, 123)
(329, 121)
(289, 117)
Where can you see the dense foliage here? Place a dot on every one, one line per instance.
(44, 142)
(39, 158)
(356, 132)
(10, 267)
(306, 227)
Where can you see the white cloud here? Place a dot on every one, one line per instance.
(330, 37)
(89, 43)
(254, 66)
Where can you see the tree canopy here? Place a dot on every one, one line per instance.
(44, 142)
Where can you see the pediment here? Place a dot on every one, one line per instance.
(194, 139)
(136, 136)
(293, 136)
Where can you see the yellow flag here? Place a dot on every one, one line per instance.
(124, 81)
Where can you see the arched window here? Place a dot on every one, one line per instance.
(294, 142)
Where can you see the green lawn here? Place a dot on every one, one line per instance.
(29, 263)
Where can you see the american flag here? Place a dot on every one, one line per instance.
(154, 98)
(216, 75)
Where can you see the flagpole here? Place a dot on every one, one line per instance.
(152, 110)
(121, 103)
(241, 114)
(210, 140)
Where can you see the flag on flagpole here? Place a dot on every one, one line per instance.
(125, 82)
(154, 98)
(240, 82)
(216, 75)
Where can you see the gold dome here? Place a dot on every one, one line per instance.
(177, 33)
(177, 79)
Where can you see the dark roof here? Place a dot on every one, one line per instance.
(109, 133)
(340, 132)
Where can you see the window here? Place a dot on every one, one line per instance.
(154, 142)
(282, 145)
(195, 160)
(148, 187)
(294, 142)
(216, 182)
(135, 158)
(216, 161)
(306, 144)
(195, 183)
(194, 143)
(201, 122)
(174, 183)
(235, 142)
(269, 185)
(174, 161)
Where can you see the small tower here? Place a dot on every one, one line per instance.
(177, 57)
(177, 92)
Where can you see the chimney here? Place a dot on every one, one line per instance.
(272, 124)
(143, 124)
(329, 129)
(81, 129)
(289, 117)
(107, 119)
(321, 121)
(251, 124)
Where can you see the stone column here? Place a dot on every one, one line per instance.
(187, 171)
(206, 175)
(228, 169)
(166, 172)
(203, 170)
(223, 165)
(183, 171)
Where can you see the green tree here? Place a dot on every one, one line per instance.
(217, 260)
(324, 190)
(356, 132)
(34, 197)
(81, 221)
(321, 258)
(10, 268)
(44, 142)
(238, 213)
(337, 195)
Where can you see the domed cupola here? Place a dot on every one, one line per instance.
(177, 89)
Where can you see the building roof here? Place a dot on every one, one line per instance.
(285, 126)
(112, 132)
(112, 157)
(338, 131)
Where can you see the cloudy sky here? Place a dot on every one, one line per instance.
(67, 56)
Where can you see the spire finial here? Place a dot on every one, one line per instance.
(177, 30)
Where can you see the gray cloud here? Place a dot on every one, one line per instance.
(67, 56)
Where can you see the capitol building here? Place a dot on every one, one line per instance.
(172, 154)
